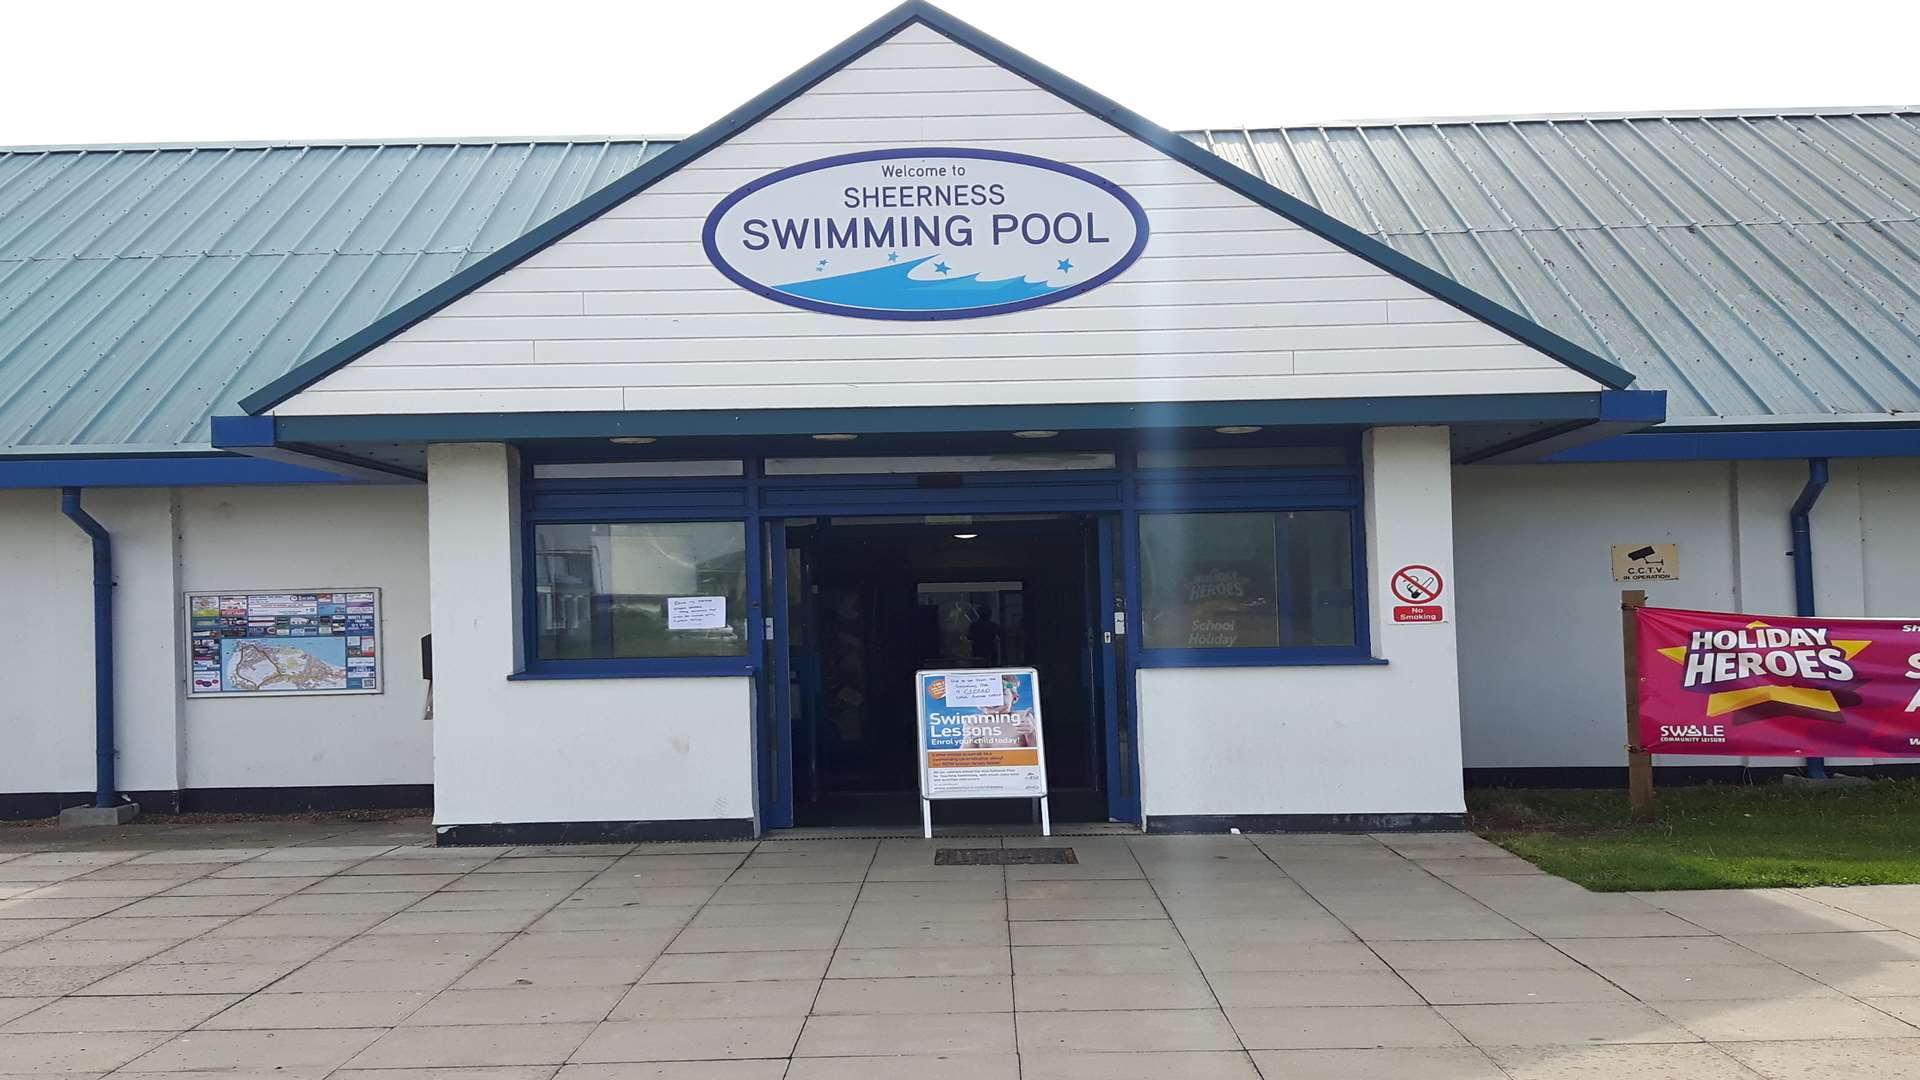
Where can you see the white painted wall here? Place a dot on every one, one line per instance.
(1229, 300)
(1532, 593)
(564, 749)
(1540, 642)
(46, 665)
(167, 541)
(1329, 740)
(299, 539)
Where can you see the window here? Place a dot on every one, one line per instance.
(629, 591)
(1243, 457)
(1266, 580)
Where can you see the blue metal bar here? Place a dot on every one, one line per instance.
(777, 786)
(104, 784)
(1799, 522)
(156, 470)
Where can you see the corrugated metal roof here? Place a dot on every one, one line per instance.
(145, 289)
(1757, 267)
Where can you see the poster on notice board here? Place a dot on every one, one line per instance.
(255, 644)
(980, 734)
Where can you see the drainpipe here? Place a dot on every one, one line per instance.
(104, 787)
(1802, 530)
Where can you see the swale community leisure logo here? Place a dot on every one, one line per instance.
(925, 233)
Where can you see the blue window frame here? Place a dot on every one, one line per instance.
(1232, 556)
(1249, 557)
(645, 570)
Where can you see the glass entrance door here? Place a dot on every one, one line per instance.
(868, 601)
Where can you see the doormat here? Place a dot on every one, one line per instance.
(996, 856)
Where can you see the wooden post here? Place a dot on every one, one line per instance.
(1639, 761)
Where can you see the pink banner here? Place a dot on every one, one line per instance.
(1778, 685)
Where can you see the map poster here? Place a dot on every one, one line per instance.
(283, 643)
(980, 734)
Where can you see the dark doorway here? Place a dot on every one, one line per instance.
(872, 600)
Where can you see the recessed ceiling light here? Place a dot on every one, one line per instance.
(966, 536)
(1237, 429)
(1035, 434)
(836, 436)
(633, 440)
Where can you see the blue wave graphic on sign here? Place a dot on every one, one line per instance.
(890, 288)
(1014, 232)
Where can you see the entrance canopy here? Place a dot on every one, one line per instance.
(925, 234)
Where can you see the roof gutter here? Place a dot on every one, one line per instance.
(105, 788)
(1800, 525)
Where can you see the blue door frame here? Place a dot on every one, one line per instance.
(1115, 499)
(784, 721)
(1115, 679)
(776, 738)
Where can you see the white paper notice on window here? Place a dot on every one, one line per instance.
(696, 612)
(966, 691)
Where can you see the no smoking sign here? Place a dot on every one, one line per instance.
(1419, 588)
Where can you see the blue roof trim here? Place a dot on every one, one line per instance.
(1586, 406)
(258, 437)
(1236, 179)
(157, 470)
(1747, 445)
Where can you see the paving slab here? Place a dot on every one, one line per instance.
(1510, 986)
(1829, 1059)
(1710, 982)
(739, 966)
(51, 980)
(1686, 1061)
(517, 1005)
(924, 995)
(323, 1009)
(497, 1044)
(1569, 1024)
(916, 1066)
(261, 1049)
(1310, 956)
(555, 971)
(869, 1035)
(1081, 993)
(189, 979)
(483, 1072)
(84, 1015)
(1127, 1031)
(717, 1000)
(1384, 1063)
(1801, 1017)
(1147, 1065)
(45, 1054)
(1346, 1028)
(694, 1039)
(1101, 959)
(309, 952)
(938, 960)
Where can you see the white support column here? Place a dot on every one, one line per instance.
(586, 750)
(1338, 741)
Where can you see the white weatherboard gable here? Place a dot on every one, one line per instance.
(1229, 300)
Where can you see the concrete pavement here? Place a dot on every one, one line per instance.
(356, 952)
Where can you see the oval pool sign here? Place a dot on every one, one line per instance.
(925, 233)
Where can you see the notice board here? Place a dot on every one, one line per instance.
(980, 734)
(242, 644)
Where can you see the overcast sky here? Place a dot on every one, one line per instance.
(87, 71)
